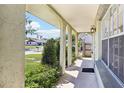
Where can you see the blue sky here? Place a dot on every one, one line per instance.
(47, 30)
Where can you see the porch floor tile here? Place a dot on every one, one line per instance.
(75, 78)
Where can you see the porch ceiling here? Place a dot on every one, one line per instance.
(79, 16)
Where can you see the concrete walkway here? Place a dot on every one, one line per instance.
(75, 78)
(32, 52)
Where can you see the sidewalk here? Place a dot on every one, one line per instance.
(31, 52)
(75, 78)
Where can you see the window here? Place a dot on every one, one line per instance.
(105, 51)
(116, 19)
(105, 26)
(116, 57)
(120, 18)
(112, 23)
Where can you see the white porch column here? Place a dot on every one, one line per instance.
(12, 53)
(98, 48)
(63, 46)
(69, 46)
(76, 44)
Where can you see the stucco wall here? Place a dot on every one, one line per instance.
(12, 38)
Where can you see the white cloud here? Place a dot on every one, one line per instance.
(33, 25)
(51, 33)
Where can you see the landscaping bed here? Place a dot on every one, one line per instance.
(38, 75)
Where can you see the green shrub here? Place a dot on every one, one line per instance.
(58, 49)
(73, 55)
(49, 53)
(41, 76)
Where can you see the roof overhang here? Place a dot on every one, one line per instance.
(102, 11)
(79, 16)
(43, 12)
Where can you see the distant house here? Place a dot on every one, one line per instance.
(31, 43)
(86, 46)
(87, 49)
(35, 42)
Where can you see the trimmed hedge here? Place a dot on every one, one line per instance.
(49, 53)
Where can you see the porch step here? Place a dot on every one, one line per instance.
(107, 78)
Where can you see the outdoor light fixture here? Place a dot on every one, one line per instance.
(93, 29)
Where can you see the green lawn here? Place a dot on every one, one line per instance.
(31, 63)
(37, 57)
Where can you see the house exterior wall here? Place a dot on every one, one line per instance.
(112, 31)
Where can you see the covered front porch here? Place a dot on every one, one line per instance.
(75, 19)
(69, 22)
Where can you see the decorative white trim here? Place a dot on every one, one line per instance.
(120, 34)
(107, 12)
(105, 38)
(115, 33)
(118, 80)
